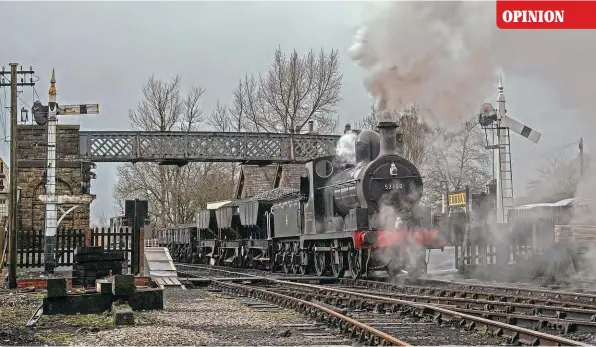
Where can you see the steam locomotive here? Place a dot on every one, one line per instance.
(361, 216)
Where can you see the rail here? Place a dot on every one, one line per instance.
(438, 311)
(514, 332)
(346, 324)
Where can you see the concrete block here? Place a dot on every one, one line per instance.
(89, 250)
(123, 285)
(122, 314)
(57, 287)
(91, 303)
(95, 303)
(146, 299)
(103, 286)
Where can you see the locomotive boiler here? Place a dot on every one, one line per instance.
(358, 216)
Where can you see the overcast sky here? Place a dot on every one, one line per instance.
(103, 53)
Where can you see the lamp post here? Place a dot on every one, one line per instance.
(24, 115)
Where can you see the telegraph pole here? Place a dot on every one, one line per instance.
(13, 203)
(581, 156)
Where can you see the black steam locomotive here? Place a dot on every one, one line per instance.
(359, 216)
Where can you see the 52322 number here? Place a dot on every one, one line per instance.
(393, 186)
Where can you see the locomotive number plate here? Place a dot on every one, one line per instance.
(393, 186)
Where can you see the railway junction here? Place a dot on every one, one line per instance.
(282, 268)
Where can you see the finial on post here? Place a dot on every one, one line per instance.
(501, 94)
(52, 91)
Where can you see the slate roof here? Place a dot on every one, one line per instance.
(290, 175)
(254, 180)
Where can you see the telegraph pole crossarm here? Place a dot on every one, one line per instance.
(13, 200)
(50, 199)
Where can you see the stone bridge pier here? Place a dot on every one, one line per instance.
(32, 156)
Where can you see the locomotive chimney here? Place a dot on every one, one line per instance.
(347, 128)
(388, 135)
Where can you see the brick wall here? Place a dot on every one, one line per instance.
(32, 154)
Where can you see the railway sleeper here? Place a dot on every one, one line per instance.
(342, 326)
(537, 322)
(392, 288)
(525, 309)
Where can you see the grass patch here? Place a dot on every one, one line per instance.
(282, 315)
(426, 319)
(482, 332)
(101, 321)
(104, 320)
(56, 338)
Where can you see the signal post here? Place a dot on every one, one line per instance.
(48, 114)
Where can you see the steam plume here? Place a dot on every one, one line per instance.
(446, 56)
(346, 148)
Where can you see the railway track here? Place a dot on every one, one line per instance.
(568, 296)
(389, 310)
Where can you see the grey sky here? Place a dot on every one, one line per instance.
(103, 52)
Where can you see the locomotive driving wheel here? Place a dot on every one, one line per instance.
(338, 270)
(355, 262)
(285, 260)
(320, 262)
(302, 269)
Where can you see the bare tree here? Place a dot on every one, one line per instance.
(295, 90)
(225, 119)
(102, 222)
(174, 193)
(557, 179)
(456, 159)
(368, 122)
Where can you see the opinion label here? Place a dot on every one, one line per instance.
(512, 14)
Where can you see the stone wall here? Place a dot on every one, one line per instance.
(32, 154)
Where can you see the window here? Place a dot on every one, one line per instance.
(3, 208)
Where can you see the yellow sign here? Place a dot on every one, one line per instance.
(457, 199)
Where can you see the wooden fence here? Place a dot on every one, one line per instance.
(30, 244)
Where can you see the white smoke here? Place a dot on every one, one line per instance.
(446, 55)
(346, 148)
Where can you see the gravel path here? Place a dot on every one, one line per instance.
(198, 317)
(15, 310)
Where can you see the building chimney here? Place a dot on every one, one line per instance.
(297, 129)
(311, 127)
(347, 128)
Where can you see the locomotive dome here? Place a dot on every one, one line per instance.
(368, 146)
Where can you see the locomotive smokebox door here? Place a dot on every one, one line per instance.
(396, 184)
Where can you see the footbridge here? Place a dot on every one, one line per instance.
(180, 148)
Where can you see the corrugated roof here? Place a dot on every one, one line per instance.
(217, 204)
(562, 203)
